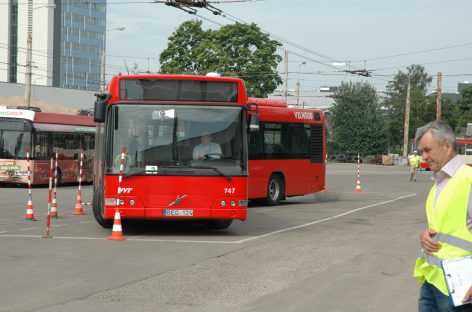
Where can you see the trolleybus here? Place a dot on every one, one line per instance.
(160, 119)
(287, 154)
(43, 134)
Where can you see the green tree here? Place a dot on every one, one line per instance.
(396, 98)
(358, 124)
(233, 50)
(465, 107)
(449, 112)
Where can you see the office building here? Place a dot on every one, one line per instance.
(68, 39)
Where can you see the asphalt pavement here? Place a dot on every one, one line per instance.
(333, 251)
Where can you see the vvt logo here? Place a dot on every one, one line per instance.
(124, 190)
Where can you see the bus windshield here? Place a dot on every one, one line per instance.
(15, 136)
(180, 140)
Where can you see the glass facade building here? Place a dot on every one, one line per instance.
(79, 41)
(68, 40)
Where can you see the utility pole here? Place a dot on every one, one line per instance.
(438, 98)
(29, 48)
(407, 121)
(286, 76)
(298, 83)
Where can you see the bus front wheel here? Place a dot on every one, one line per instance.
(218, 224)
(97, 212)
(275, 190)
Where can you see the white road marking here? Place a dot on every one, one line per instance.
(27, 229)
(322, 220)
(138, 239)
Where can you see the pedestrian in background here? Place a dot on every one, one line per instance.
(449, 214)
(414, 163)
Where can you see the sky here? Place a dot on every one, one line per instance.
(381, 36)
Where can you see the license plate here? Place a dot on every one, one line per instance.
(178, 212)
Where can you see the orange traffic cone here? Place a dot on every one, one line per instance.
(78, 204)
(29, 210)
(358, 186)
(117, 232)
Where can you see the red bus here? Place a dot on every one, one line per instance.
(160, 119)
(287, 154)
(43, 133)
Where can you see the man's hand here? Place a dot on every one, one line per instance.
(468, 295)
(427, 242)
(202, 156)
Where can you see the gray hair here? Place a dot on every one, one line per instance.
(441, 132)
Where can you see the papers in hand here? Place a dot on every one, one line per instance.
(458, 273)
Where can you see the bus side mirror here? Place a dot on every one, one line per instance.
(100, 107)
(253, 122)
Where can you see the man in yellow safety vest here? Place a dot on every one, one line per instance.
(414, 162)
(449, 214)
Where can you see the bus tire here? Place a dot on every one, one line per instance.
(275, 190)
(219, 224)
(97, 212)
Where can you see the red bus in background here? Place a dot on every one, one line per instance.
(43, 133)
(160, 119)
(464, 148)
(287, 154)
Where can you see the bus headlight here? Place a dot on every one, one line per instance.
(233, 203)
(223, 203)
(110, 201)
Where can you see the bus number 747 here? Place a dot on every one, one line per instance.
(230, 190)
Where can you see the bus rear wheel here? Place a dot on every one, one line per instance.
(275, 190)
(218, 224)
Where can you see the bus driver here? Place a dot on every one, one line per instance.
(207, 149)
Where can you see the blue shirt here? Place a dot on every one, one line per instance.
(213, 149)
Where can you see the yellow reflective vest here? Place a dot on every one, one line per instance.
(414, 161)
(448, 218)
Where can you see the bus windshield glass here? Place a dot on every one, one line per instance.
(15, 136)
(180, 140)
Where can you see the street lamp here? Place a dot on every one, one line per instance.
(35, 85)
(298, 82)
(29, 48)
(102, 71)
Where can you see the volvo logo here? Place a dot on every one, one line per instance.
(177, 200)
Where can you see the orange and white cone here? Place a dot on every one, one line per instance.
(54, 208)
(117, 232)
(358, 186)
(29, 210)
(78, 205)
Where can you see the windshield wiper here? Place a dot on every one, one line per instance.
(140, 172)
(214, 169)
(148, 172)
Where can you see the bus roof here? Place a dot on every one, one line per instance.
(64, 119)
(47, 118)
(278, 110)
(268, 102)
(163, 87)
